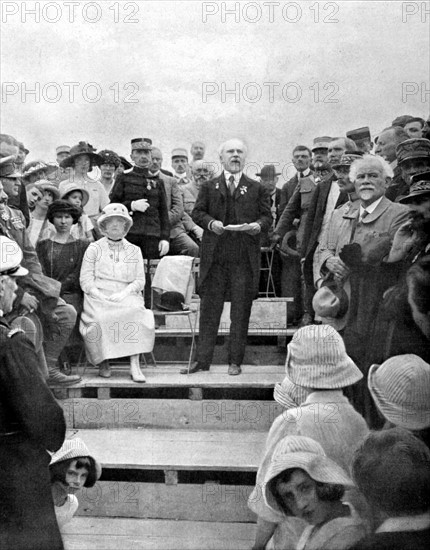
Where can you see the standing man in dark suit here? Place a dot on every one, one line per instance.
(230, 260)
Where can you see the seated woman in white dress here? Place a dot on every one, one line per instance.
(114, 320)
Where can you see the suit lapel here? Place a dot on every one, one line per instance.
(221, 185)
(242, 188)
(379, 210)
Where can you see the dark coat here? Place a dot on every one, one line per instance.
(253, 205)
(314, 222)
(35, 422)
(46, 290)
(133, 185)
(398, 187)
(287, 192)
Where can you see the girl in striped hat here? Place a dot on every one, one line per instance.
(71, 469)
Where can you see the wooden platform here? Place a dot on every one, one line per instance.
(138, 534)
(168, 376)
(174, 450)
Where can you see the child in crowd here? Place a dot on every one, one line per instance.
(72, 467)
(78, 196)
(304, 483)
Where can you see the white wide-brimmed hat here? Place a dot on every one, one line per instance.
(317, 359)
(299, 452)
(10, 258)
(400, 388)
(115, 210)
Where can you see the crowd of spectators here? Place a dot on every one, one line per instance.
(350, 239)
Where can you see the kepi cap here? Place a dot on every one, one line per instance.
(359, 133)
(321, 142)
(141, 143)
(415, 148)
(179, 152)
(62, 149)
(11, 258)
(8, 168)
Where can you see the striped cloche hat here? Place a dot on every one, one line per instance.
(74, 448)
(317, 359)
(400, 388)
(299, 452)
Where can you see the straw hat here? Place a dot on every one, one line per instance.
(289, 395)
(74, 448)
(400, 388)
(46, 185)
(299, 452)
(317, 359)
(115, 210)
(70, 187)
(35, 167)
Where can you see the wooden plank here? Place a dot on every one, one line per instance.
(176, 449)
(267, 314)
(210, 501)
(214, 414)
(139, 534)
(168, 376)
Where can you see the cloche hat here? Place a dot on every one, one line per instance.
(299, 452)
(317, 359)
(115, 210)
(400, 388)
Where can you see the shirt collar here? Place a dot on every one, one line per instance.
(371, 207)
(236, 176)
(329, 396)
(304, 172)
(393, 164)
(405, 523)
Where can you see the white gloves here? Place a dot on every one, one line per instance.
(163, 248)
(198, 232)
(118, 296)
(140, 205)
(95, 293)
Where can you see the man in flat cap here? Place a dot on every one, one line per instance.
(386, 146)
(180, 166)
(230, 259)
(415, 127)
(362, 138)
(31, 424)
(144, 196)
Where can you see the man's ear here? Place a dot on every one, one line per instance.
(388, 180)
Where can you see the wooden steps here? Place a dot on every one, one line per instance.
(139, 534)
(175, 450)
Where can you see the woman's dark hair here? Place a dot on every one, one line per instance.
(419, 278)
(58, 470)
(61, 206)
(325, 491)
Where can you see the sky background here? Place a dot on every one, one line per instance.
(170, 52)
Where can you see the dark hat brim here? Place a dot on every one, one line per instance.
(69, 161)
(410, 198)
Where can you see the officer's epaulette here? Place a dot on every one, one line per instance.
(128, 171)
(15, 331)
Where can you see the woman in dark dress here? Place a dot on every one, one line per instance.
(61, 254)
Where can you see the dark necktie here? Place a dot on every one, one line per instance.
(301, 174)
(231, 186)
(365, 213)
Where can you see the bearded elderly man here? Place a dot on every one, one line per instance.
(359, 248)
(230, 259)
